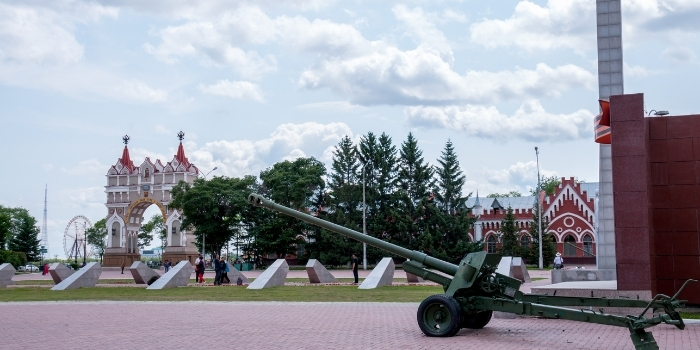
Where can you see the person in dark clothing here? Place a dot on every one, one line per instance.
(224, 271)
(354, 267)
(217, 270)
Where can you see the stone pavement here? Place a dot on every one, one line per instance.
(265, 325)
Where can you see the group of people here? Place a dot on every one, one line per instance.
(221, 269)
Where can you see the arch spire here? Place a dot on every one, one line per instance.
(180, 156)
(125, 160)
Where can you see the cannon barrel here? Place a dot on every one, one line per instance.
(433, 263)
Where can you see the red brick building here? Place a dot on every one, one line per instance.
(570, 212)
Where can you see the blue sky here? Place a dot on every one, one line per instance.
(253, 83)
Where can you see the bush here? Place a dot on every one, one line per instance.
(17, 259)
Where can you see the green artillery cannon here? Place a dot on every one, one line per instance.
(473, 290)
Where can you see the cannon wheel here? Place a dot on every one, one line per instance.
(477, 320)
(439, 315)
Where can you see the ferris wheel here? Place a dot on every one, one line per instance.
(74, 239)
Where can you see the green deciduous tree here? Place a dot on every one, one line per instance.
(25, 234)
(501, 195)
(549, 185)
(5, 227)
(96, 237)
(509, 235)
(294, 184)
(154, 227)
(214, 208)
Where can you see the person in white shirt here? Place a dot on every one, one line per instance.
(558, 261)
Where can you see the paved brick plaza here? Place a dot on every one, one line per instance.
(284, 325)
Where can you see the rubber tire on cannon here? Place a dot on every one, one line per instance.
(440, 315)
(476, 321)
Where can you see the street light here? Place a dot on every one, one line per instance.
(539, 208)
(364, 221)
(204, 252)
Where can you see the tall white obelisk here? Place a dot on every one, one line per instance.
(610, 82)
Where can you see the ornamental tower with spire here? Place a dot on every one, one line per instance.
(131, 190)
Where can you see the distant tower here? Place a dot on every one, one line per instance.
(44, 231)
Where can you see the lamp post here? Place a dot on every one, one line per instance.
(204, 252)
(364, 221)
(539, 209)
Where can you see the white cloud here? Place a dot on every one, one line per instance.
(679, 54)
(520, 176)
(421, 76)
(530, 122)
(216, 40)
(81, 81)
(336, 106)
(88, 167)
(572, 24)
(44, 34)
(243, 90)
(288, 141)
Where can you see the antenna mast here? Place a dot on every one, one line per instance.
(44, 232)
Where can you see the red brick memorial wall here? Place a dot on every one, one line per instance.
(656, 184)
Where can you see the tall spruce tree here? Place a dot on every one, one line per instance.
(549, 248)
(414, 180)
(509, 235)
(25, 237)
(370, 153)
(450, 181)
(344, 203)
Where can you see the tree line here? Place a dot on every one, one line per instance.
(408, 202)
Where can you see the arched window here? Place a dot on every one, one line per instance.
(569, 245)
(491, 244)
(525, 241)
(588, 245)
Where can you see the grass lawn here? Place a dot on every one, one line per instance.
(209, 280)
(291, 293)
(691, 315)
(537, 279)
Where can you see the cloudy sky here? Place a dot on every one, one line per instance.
(252, 83)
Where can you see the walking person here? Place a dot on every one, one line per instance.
(224, 271)
(354, 267)
(122, 265)
(217, 271)
(165, 266)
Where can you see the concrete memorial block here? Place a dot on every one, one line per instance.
(233, 275)
(6, 273)
(382, 275)
(519, 270)
(411, 278)
(274, 276)
(178, 276)
(59, 272)
(87, 276)
(504, 266)
(142, 273)
(318, 273)
(574, 275)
